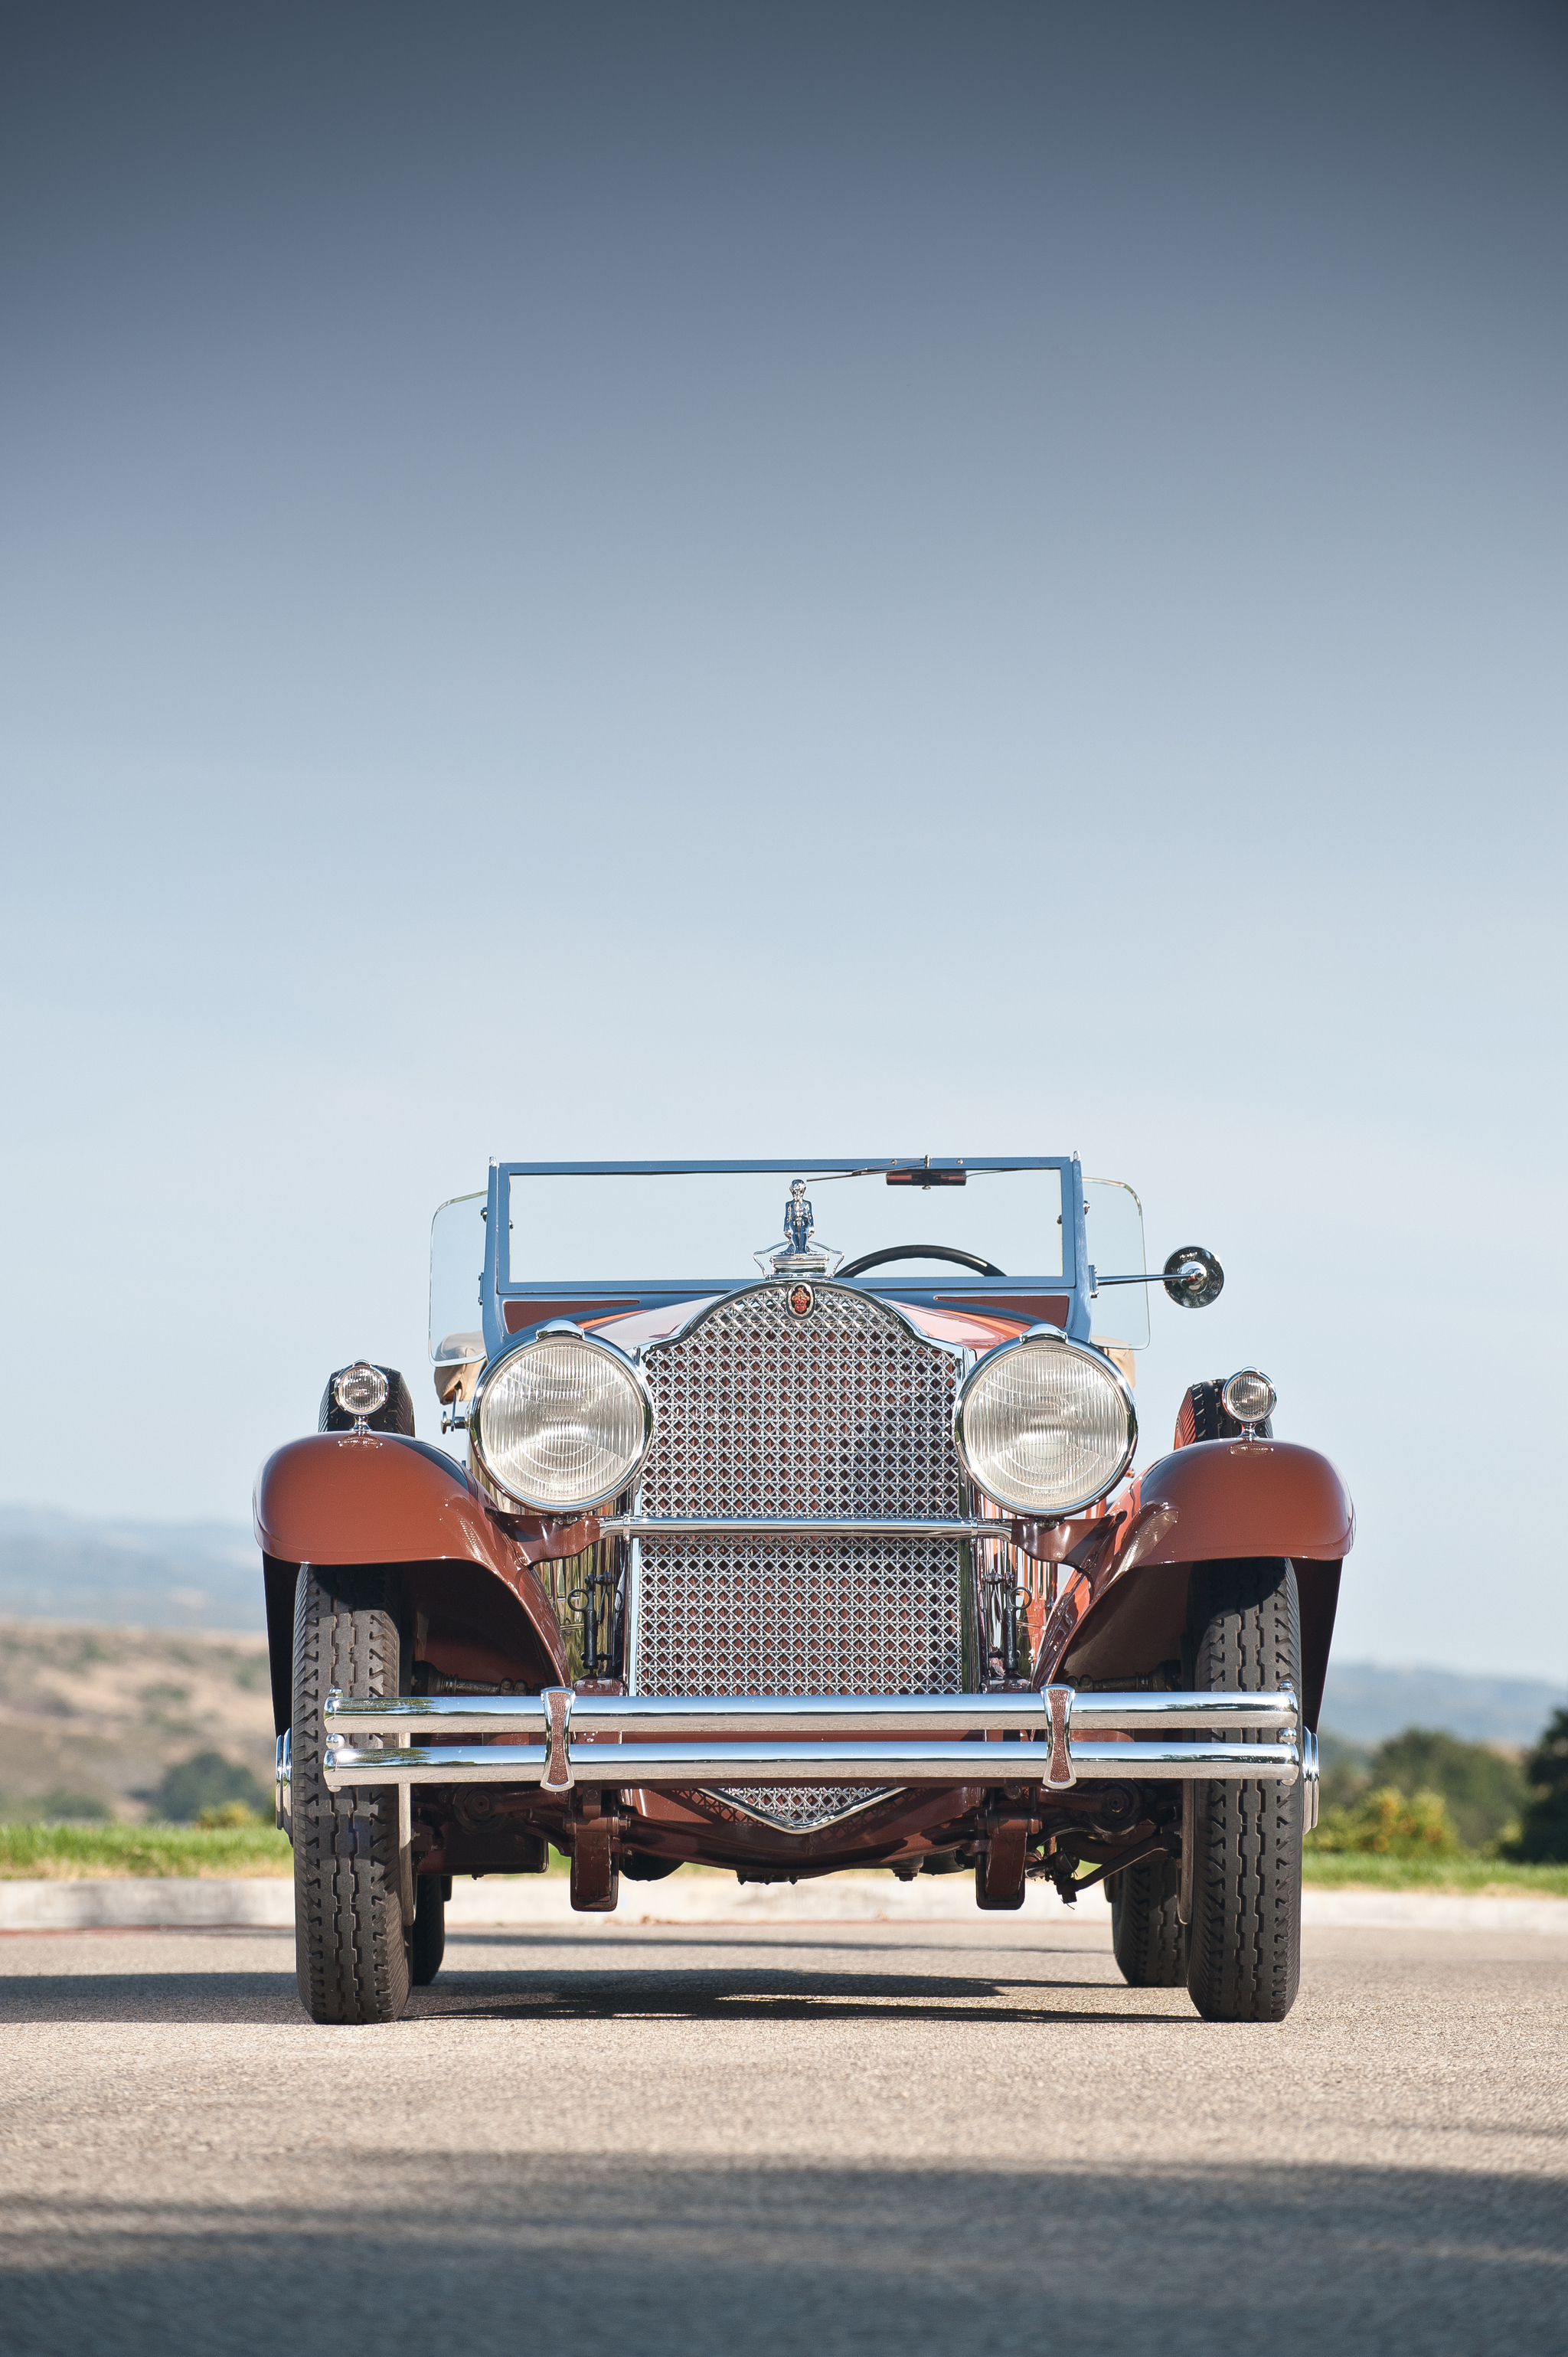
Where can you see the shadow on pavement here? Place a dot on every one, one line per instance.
(612, 1987)
(791, 1939)
(429, 2250)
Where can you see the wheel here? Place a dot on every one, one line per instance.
(427, 1940)
(1146, 1934)
(1244, 1941)
(350, 1945)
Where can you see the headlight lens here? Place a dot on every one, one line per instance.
(1045, 1425)
(1249, 1396)
(563, 1423)
(362, 1390)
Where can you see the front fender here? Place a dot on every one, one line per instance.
(1229, 1498)
(379, 1497)
(345, 1498)
(1122, 1605)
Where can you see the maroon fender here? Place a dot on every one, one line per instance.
(342, 1498)
(1118, 1611)
(1246, 1497)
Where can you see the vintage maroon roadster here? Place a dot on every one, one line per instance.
(840, 1564)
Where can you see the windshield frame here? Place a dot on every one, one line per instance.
(596, 1294)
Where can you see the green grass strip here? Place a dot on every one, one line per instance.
(68, 1853)
(61, 1853)
(1364, 1871)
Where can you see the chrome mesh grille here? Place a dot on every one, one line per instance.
(843, 1412)
(802, 1808)
(799, 1617)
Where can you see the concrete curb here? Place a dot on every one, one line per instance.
(1434, 1911)
(715, 1898)
(267, 1902)
(147, 1899)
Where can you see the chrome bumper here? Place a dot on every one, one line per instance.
(559, 1739)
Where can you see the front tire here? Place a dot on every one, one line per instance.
(1244, 1943)
(427, 1940)
(351, 1950)
(1147, 1936)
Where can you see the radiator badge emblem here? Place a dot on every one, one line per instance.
(801, 1300)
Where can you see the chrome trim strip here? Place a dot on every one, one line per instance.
(1157, 1706)
(632, 1637)
(794, 1526)
(1008, 1760)
(676, 1718)
(1169, 1762)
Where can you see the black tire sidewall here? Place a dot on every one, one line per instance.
(427, 1940)
(1147, 1936)
(1244, 1940)
(350, 1944)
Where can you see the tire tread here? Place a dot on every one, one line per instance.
(351, 1951)
(1147, 1936)
(1244, 1958)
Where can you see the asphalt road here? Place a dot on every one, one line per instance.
(791, 2139)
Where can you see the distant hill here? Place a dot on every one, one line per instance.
(189, 1576)
(1365, 1702)
(92, 1719)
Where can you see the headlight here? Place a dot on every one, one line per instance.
(361, 1390)
(1045, 1425)
(563, 1423)
(1249, 1397)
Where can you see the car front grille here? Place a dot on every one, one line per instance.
(843, 1412)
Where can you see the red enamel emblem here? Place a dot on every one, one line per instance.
(802, 1298)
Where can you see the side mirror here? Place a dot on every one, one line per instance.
(1193, 1277)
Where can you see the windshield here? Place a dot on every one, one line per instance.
(456, 1274)
(697, 1227)
(1113, 1225)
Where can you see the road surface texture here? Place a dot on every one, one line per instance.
(792, 2138)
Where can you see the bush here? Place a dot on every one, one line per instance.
(1543, 1834)
(64, 1807)
(1485, 1790)
(1344, 1769)
(206, 1780)
(1387, 1824)
(227, 1814)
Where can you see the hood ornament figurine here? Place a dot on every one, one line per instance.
(798, 1254)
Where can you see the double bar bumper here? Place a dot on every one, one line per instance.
(559, 1739)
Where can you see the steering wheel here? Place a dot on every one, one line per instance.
(920, 1251)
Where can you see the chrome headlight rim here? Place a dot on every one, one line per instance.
(1050, 1338)
(1261, 1411)
(625, 1365)
(374, 1392)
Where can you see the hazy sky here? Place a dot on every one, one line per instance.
(846, 579)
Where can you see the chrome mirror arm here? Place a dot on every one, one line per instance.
(1191, 1276)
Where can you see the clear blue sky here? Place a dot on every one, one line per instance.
(859, 579)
